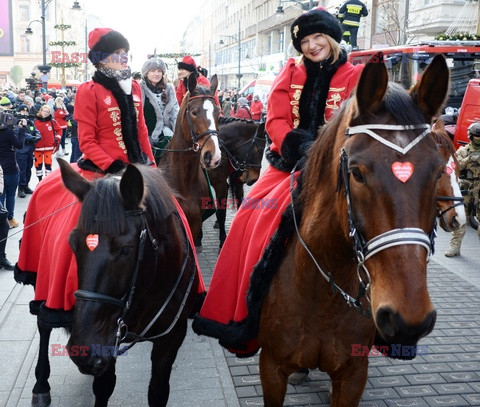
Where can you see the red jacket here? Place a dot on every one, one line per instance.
(49, 130)
(243, 112)
(59, 115)
(201, 80)
(99, 125)
(284, 100)
(256, 108)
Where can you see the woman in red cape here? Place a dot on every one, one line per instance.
(111, 133)
(305, 94)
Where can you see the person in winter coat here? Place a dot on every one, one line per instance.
(349, 15)
(60, 114)
(306, 92)
(109, 110)
(187, 67)
(227, 107)
(160, 105)
(4, 228)
(51, 134)
(73, 127)
(25, 154)
(256, 108)
(11, 137)
(243, 110)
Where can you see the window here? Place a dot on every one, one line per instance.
(23, 12)
(24, 43)
(281, 41)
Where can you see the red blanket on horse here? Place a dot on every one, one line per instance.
(261, 214)
(52, 213)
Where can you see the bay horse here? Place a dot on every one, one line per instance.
(450, 202)
(242, 143)
(194, 146)
(364, 223)
(137, 275)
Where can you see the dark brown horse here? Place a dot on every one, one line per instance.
(242, 143)
(194, 145)
(450, 205)
(366, 214)
(137, 277)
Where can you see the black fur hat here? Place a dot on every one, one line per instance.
(315, 21)
(103, 42)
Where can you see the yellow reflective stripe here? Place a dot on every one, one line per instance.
(354, 9)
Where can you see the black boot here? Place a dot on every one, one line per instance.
(5, 264)
(39, 177)
(21, 192)
(27, 190)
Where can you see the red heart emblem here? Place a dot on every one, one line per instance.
(92, 242)
(403, 171)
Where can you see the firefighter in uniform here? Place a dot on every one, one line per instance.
(349, 15)
(469, 161)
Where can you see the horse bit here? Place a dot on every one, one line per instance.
(125, 302)
(365, 250)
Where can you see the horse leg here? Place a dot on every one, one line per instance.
(104, 385)
(163, 355)
(41, 390)
(221, 216)
(348, 383)
(198, 240)
(273, 378)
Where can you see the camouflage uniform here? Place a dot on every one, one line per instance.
(469, 162)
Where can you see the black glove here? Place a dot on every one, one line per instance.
(116, 166)
(296, 145)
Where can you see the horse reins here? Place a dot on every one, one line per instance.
(236, 164)
(125, 302)
(366, 249)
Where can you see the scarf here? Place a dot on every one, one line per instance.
(123, 76)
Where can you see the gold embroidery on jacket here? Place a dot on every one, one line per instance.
(333, 102)
(295, 103)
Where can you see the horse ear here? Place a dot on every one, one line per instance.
(439, 125)
(372, 85)
(191, 83)
(214, 83)
(432, 90)
(131, 187)
(73, 181)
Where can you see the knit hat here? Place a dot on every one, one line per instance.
(188, 64)
(243, 101)
(153, 63)
(317, 20)
(22, 107)
(5, 101)
(103, 42)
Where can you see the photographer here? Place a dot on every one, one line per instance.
(11, 137)
(25, 154)
(4, 227)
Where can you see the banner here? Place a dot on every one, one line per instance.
(6, 31)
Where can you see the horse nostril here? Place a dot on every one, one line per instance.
(386, 322)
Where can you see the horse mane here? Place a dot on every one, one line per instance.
(103, 211)
(443, 141)
(226, 120)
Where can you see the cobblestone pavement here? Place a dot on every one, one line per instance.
(204, 374)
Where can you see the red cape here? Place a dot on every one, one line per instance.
(249, 235)
(52, 213)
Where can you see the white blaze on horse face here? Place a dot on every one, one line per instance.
(209, 108)
(460, 209)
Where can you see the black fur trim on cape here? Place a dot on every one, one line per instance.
(128, 117)
(51, 318)
(312, 113)
(235, 335)
(24, 277)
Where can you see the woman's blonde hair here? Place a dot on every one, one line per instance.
(39, 113)
(59, 102)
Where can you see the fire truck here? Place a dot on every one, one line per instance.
(406, 63)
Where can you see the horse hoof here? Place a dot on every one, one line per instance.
(216, 225)
(199, 249)
(41, 399)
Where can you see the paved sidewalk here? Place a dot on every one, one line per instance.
(206, 375)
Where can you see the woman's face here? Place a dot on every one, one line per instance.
(117, 61)
(315, 47)
(45, 111)
(155, 75)
(183, 73)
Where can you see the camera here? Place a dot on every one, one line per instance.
(11, 118)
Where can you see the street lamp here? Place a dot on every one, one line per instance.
(302, 4)
(238, 39)
(45, 69)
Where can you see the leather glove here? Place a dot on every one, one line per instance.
(296, 145)
(116, 166)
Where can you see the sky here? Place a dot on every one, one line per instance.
(145, 23)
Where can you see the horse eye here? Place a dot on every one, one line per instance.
(357, 174)
(126, 251)
(194, 112)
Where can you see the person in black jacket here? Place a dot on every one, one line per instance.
(349, 15)
(4, 228)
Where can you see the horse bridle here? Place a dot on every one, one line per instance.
(236, 164)
(207, 133)
(125, 302)
(366, 249)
